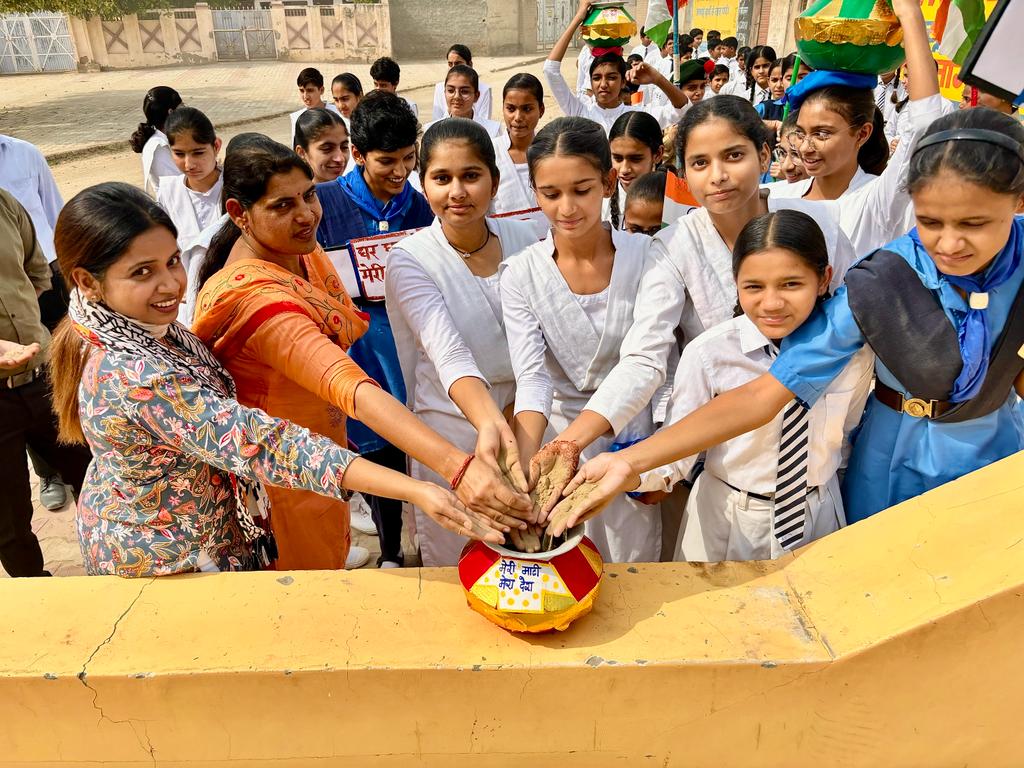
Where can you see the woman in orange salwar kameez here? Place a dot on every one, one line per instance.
(274, 312)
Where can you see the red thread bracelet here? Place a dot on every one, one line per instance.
(462, 471)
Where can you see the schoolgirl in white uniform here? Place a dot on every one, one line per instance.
(574, 305)
(192, 196)
(322, 140)
(149, 138)
(461, 92)
(444, 306)
(636, 145)
(522, 106)
(461, 55)
(749, 501)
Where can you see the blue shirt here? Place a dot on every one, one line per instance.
(896, 456)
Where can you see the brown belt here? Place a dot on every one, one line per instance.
(912, 406)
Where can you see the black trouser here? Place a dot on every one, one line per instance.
(387, 513)
(27, 420)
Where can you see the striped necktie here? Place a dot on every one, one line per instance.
(791, 485)
(883, 94)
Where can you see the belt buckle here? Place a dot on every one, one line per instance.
(917, 407)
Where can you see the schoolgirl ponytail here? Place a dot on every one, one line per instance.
(156, 105)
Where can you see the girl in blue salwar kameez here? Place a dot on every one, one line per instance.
(947, 397)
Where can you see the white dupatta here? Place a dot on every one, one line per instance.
(513, 194)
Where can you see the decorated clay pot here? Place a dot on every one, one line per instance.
(851, 35)
(532, 593)
(608, 25)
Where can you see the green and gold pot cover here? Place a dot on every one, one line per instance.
(608, 25)
(850, 35)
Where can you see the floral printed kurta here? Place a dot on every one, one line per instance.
(158, 491)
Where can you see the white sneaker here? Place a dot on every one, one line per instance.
(357, 557)
(390, 564)
(360, 517)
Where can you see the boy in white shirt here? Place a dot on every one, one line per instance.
(311, 91)
(727, 56)
(385, 74)
(648, 50)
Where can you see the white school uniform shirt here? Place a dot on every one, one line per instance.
(700, 291)
(573, 106)
(583, 62)
(447, 325)
(25, 174)
(650, 53)
(493, 127)
(157, 162)
(653, 95)
(732, 64)
(191, 211)
(571, 352)
(482, 108)
(294, 118)
(193, 256)
(514, 190)
(879, 209)
(412, 105)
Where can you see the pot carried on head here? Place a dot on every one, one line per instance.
(850, 35)
(608, 26)
(536, 592)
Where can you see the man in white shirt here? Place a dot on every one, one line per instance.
(648, 49)
(25, 174)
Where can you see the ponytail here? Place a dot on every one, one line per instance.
(873, 156)
(616, 214)
(68, 356)
(157, 104)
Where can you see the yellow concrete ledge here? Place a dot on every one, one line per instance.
(896, 642)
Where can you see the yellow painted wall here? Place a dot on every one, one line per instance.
(896, 642)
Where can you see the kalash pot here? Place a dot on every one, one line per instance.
(861, 36)
(536, 592)
(608, 25)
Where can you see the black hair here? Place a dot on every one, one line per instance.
(310, 76)
(524, 81)
(192, 121)
(634, 58)
(643, 32)
(789, 64)
(571, 137)
(741, 53)
(461, 70)
(156, 105)
(311, 125)
(385, 69)
(685, 41)
(790, 230)
(649, 188)
(857, 107)
(765, 52)
(988, 165)
(730, 42)
(643, 128)
(734, 109)
(251, 161)
(696, 31)
(464, 53)
(720, 69)
(349, 82)
(462, 130)
(609, 58)
(383, 122)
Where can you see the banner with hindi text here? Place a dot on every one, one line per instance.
(716, 14)
(949, 82)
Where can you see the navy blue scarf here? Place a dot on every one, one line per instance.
(379, 217)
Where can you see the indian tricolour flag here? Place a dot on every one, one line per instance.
(679, 200)
(659, 20)
(957, 25)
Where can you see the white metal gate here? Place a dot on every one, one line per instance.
(552, 18)
(242, 35)
(35, 42)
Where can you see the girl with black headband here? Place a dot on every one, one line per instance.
(943, 310)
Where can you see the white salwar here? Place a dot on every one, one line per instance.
(157, 162)
(514, 191)
(447, 325)
(573, 352)
(723, 520)
(191, 211)
(875, 210)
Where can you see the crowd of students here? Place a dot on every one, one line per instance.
(833, 328)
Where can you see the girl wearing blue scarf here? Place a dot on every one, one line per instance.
(942, 308)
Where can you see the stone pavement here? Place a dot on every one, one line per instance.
(66, 113)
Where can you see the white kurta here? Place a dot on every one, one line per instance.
(879, 209)
(493, 127)
(701, 290)
(191, 211)
(572, 352)
(157, 162)
(573, 106)
(514, 191)
(447, 325)
(723, 522)
(482, 108)
(193, 256)
(583, 62)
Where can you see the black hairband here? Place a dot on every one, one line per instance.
(973, 134)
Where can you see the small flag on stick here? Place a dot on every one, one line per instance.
(658, 25)
(957, 25)
(679, 200)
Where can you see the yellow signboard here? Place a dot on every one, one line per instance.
(949, 82)
(716, 14)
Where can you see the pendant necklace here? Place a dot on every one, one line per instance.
(467, 254)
